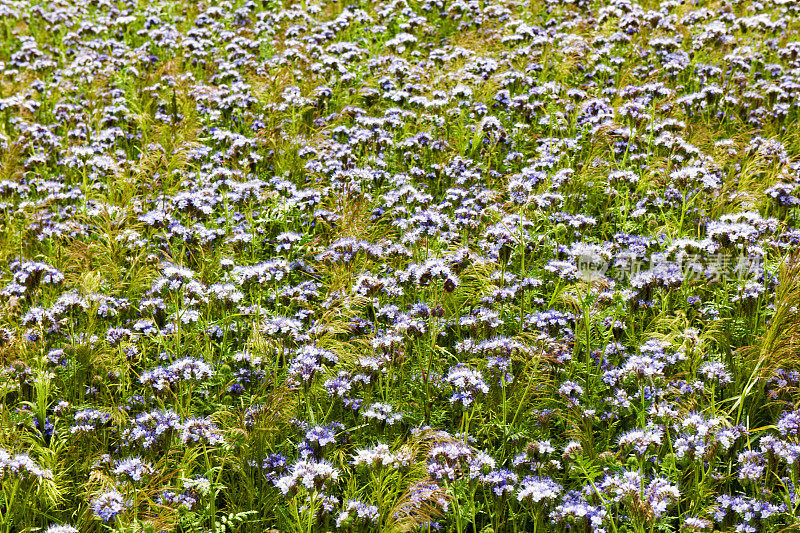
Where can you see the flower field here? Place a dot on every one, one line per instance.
(465, 266)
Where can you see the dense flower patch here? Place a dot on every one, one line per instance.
(399, 266)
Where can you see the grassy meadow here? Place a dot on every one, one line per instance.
(395, 266)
